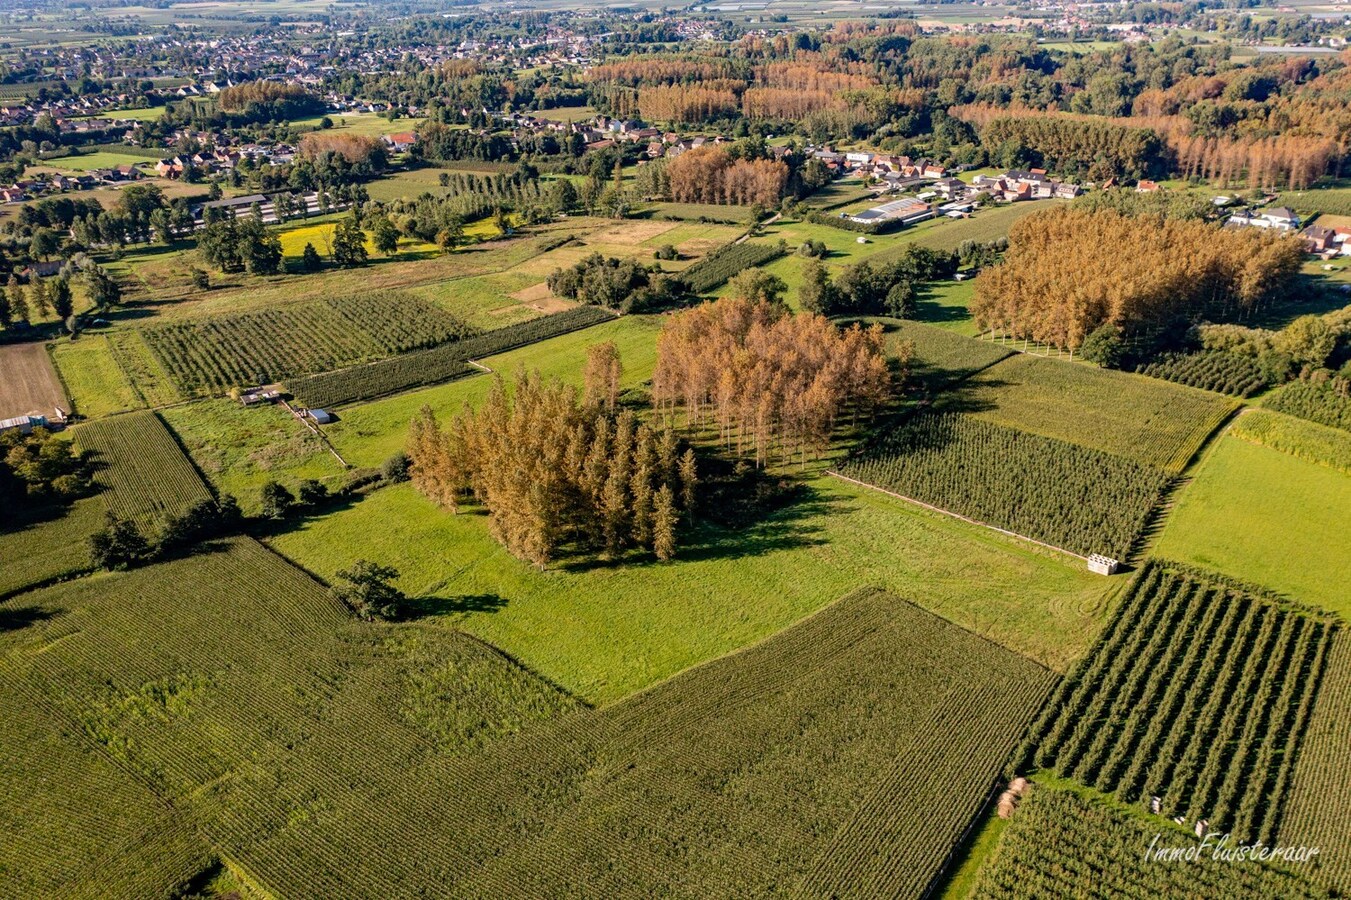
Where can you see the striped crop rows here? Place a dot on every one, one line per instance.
(148, 474)
(725, 262)
(270, 344)
(306, 747)
(1085, 501)
(1063, 845)
(399, 373)
(1197, 694)
(1225, 373)
(1320, 802)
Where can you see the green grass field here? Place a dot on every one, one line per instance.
(725, 590)
(150, 114)
(368, 434)
(1266, 517)
(294, 239)
(95, 382)
(239, 449)
(360, 123)
(1150, 421)
(99, 159)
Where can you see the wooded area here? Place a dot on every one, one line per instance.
(1067, 272)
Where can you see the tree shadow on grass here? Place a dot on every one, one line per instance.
(788, 527)
(416, 608)
(929, 309)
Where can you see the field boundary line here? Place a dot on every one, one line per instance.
(1157, 520)
(948, 512)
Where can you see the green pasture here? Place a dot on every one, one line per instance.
(604, 632)
(1267, 517)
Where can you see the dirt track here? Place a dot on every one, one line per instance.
(28, 381)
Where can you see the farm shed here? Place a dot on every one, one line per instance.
(1103, 565)
(323, 417)
(26, 424)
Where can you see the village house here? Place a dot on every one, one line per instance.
(1277, 218)
(401, 142)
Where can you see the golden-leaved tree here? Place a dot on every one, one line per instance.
(554, 472)
(1070, 270)
(770, 381)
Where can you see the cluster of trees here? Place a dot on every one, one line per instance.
(261, 101)
(470, 197)
(241, 245)
(1310, 344)
(121, 544)
(437, 141)
(619, 284)
(141, 214)
(353, 148)
(688, 103)
(713, 175)
(40, 467)
(1073, 145)
(874, 288)
(766, 379)
(553, 472)
(1292, 162)
(1065, 275)
(20, 305)
(634, 71)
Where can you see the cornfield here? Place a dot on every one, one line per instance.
(326, 757)
(140, 462)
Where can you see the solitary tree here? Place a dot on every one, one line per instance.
(689, 479)
(756, 285)
(60, 297)
(367, 590)
(385, 236)
(310, 260)
(603, 372)
(276, 500)
(349, 244)
(119, 545)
